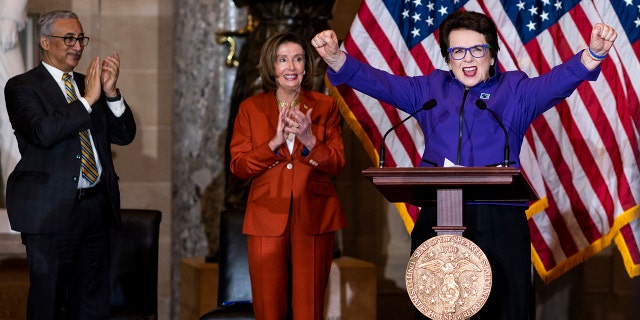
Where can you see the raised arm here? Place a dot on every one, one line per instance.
(326, 43)
(602, 38)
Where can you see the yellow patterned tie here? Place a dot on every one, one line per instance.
(89, 167)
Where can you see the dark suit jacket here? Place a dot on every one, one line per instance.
(41, 189)
(280, 176)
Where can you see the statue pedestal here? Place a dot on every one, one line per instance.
(10, 242)
(198, 287)
(14, 272)
(352, 290)
(14, 288)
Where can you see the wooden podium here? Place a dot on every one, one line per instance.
(450, 187)
(448, 276)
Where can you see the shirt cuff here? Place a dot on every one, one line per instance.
(86, 104)
(117, 107)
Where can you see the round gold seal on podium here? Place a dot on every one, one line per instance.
(448, 278)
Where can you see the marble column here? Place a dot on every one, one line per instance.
(202, 91)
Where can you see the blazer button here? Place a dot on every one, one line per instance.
(289, 166)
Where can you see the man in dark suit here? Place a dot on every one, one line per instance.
(63, 194)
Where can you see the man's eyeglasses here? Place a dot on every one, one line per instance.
(477, 51)
(71, 40)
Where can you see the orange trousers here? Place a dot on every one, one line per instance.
(289, 273)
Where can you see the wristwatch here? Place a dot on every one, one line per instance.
(116, 98)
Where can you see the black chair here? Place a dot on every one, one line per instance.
(134, 265)
(234, 285)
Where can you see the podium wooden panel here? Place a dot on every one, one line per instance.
(450, 187)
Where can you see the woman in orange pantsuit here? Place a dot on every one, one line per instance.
(289, 141)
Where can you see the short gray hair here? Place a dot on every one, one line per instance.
(45, 23)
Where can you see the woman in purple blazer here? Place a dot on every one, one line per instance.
(462, 131)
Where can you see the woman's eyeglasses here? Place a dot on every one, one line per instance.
(477, 51)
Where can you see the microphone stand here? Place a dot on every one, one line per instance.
(483, 106)
(426, 106)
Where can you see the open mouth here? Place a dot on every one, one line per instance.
(290, 76)
(470, 71)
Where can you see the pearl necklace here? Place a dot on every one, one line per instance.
(289, 105)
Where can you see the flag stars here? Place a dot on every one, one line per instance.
(417, 3)
(544, 16)
(443, 11)
(533, 16)
(405, 14)
(430, 6)
(628, 2)
(558, 5)
(637, 22)
(429, 21)
(415, 32)
(416, 17)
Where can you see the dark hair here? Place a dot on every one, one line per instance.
(468, 20)
(46, 21)
(269, 54)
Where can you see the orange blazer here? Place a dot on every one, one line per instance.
(280, 179)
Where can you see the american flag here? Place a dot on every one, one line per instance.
(581, 157)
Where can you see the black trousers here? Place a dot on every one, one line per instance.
(502, 232)
(70, 269)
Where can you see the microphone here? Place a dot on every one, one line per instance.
(426, 106)
(483, 106)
